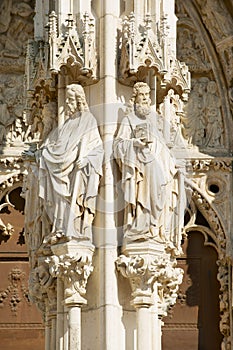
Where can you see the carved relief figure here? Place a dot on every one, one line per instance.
(191, 50)
(12, 121)
(218, 20)
(147, 169)
(203, 125)
(5, 119)
(214, 128)
(15, 27)
(70, 166)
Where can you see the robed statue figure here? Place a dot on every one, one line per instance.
(70, 166)
(147, 168)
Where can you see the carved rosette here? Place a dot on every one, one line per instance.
(144, 271)
(74, 270)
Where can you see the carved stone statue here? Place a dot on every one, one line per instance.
(147, 169)
(70, 165)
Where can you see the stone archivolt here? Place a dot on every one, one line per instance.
(216, 236)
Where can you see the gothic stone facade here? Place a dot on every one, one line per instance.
(114, 289)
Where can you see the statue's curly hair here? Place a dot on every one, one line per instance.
(136, 88)
(78, 90)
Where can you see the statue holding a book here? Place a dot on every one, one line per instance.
(147, 168)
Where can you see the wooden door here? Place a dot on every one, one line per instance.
(193, 323)
(21, 326)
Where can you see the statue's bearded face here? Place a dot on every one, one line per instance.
(71, 102)
(142, 102)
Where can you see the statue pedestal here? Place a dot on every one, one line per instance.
(140, 263)
(72, 265)
(154, 281)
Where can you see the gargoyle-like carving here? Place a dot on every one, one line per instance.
(41, 286)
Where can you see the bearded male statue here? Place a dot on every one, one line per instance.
(147, 169)
(70, 167)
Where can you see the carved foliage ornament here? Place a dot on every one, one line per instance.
(42, 288)
(144, 271)
(15, 292)
(74, 270)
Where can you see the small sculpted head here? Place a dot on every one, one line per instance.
(212, 87)
(141, 99)
(75, 99)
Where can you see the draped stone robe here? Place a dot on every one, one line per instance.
(68, 193)
(147, 175)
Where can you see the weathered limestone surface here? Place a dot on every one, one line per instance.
(113, 143)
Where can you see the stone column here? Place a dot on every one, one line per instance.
(72, 265)
(154, 281)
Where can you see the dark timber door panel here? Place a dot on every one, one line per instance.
(193, 323)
